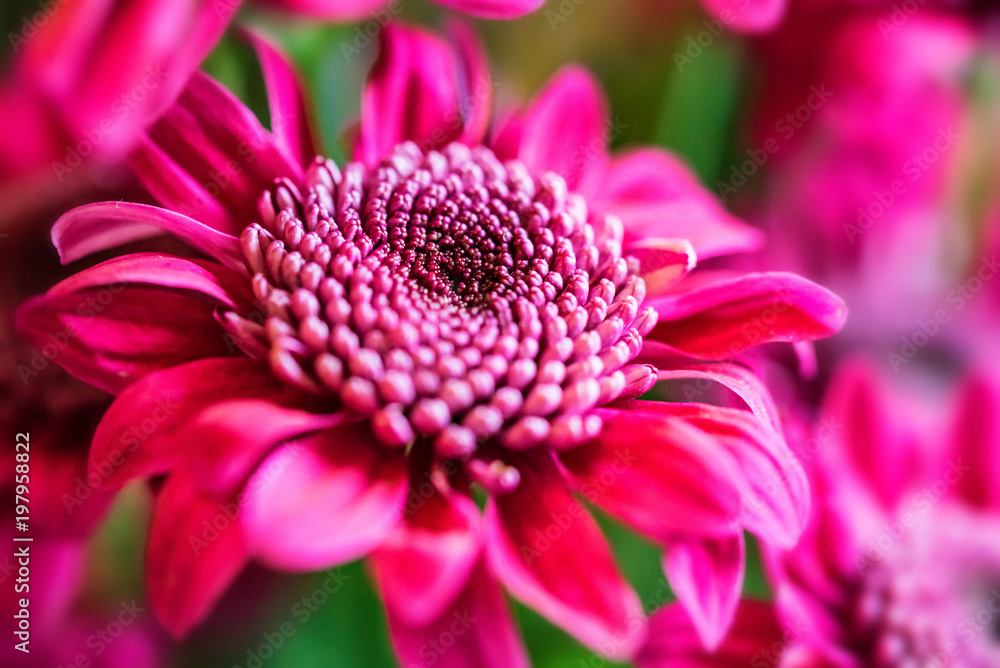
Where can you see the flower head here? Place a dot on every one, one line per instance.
(353, 351)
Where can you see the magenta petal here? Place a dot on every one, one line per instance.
(205, 279)
(549, 552)
(656, 195)
(976, 434)
(476, 85)
(707, 576)
(95, 227)
(286, 101)
(565, 130)
(736, 377)
(233, 436)
(493, 9)
(674, 642)
(194, 552)
(113, 336)
(478, 629)
(660, 475)
(425, 563)
(747, 15)
(774, 489)
(720, 319)
(331, 10)
(411, 95)
(141, 433)
(324, 500)
(209, 158)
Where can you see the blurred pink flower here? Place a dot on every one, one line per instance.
(863, 181)
(354, 348)
(86, 78)
(900, 563)
(352, 10)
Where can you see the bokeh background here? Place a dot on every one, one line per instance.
(861, 137)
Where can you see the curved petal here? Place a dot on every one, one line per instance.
(747, 15)
(411, 95)
(674, 642)
(194, 552)
(707, 576)
(549, 552)
(206, 279)
(656, 195)
(113, 336)
(722, 318)
(475, 84)
(425, 563)
(331, 10)
(209, 158)
(566, 130)
(95, 227)
(290, 122)
(660, 475)
(324, 500)
(477, 630)
(142, 432)
(493, 9)
(233, 436)
(774, 501)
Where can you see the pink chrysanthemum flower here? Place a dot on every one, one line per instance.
(900, 563)
(350, 351)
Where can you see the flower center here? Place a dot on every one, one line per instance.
(932, 598)
(449, 297)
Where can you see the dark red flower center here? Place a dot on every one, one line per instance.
(448, 296)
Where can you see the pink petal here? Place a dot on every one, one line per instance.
(707, 576)
(476, 85)
(774, 489)
(96, 227)
(660, 475)
(662, 261)
(209, 158)
(976, 435)
(736, 377)
(747, 15)
(290, 121)
(142, 433)
(411, 95)
(111, 337)
(333, 10)
(324, 500)
(233, 436)
(206, 279)
(674, 642)
(476, 631)
(425, 563)
(656, 195)
(493, 9)
(194, 552)
(721, 319)
(547, 549)
(566, 130)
